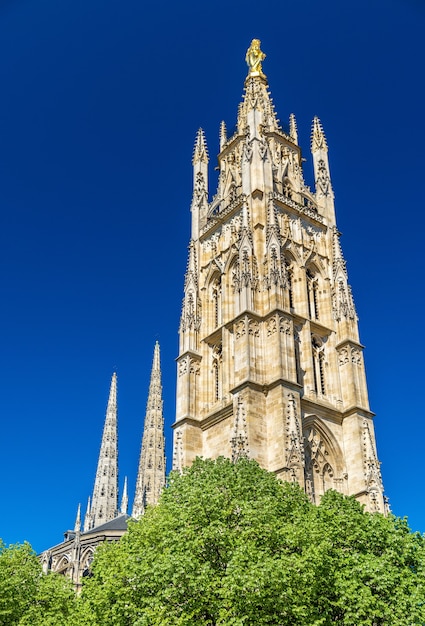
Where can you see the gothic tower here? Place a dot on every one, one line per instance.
(104, 503)
(151, 475)
(270, 365)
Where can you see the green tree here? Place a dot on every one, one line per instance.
(228, 544)
(53, 603)
(27, 596)
(19, 571)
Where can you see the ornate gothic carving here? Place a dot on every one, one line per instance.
(319, 465)
(254, 328)
(240, 329)
(343, 357)
(372, 472)
(239, 441)
(271, 326)
(285, 325)
(294, 441)
(356, 356)
(323, 180)
(178, 463)
(275, 244)
(194, 366)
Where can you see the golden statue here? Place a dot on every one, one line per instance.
(254, 57)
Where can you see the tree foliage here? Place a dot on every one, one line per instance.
(230, 545)
(27, 596)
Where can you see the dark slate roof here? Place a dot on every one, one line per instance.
(118, 523)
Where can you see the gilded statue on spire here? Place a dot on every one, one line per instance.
(254, 57)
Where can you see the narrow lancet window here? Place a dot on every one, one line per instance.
(312, 296)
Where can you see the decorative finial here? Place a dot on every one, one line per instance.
(200, 151)
(254, 57)
(223, 134)
(293, 133)
(77, 526)
(318, 139)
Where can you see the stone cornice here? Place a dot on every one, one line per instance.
(309, 212)
(351, 342)
(191, 353)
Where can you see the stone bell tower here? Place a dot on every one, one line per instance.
(270, 364)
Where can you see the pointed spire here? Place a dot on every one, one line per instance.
(338, 259)
(199, 208)
(87, 516)
(318, 139)
(223, 135)
(372, 471)
(77, 526)
(322, 177)
(256, 113)
(112, 400)
(239, 441)
(294, 451)
(124, 499)
(191, 272)
(151, 474)
(293, 131)
(200, 150)
(105, 493)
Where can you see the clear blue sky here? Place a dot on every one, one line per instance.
(100, 103)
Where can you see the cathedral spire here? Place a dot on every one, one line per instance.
(223, 135)
(322, 177)
(151, 475)
(256, 113)
(200, 150)
(200, 183)
(87, 516)
(77, 526)
(318, 139)
(104, 506)
(124, 499)
(293, 131)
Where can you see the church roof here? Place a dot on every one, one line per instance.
(118, 523)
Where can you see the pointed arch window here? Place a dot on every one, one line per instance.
(319, 374)
(289, 273)
(312, 295)
(297, 343)
(216, 370)
(320, 465)
(216, 293)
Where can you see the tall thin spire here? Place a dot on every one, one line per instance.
(104, 506)
(318, 139)
(151, 475)
(200, 183)
(77, 526)
(223, 134)
(87, 516)
(293, 131)
(124, 499)
(322, 177)
(200, 150)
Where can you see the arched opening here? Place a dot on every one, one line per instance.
(319, 374)
(323, 460)
(312, 294)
